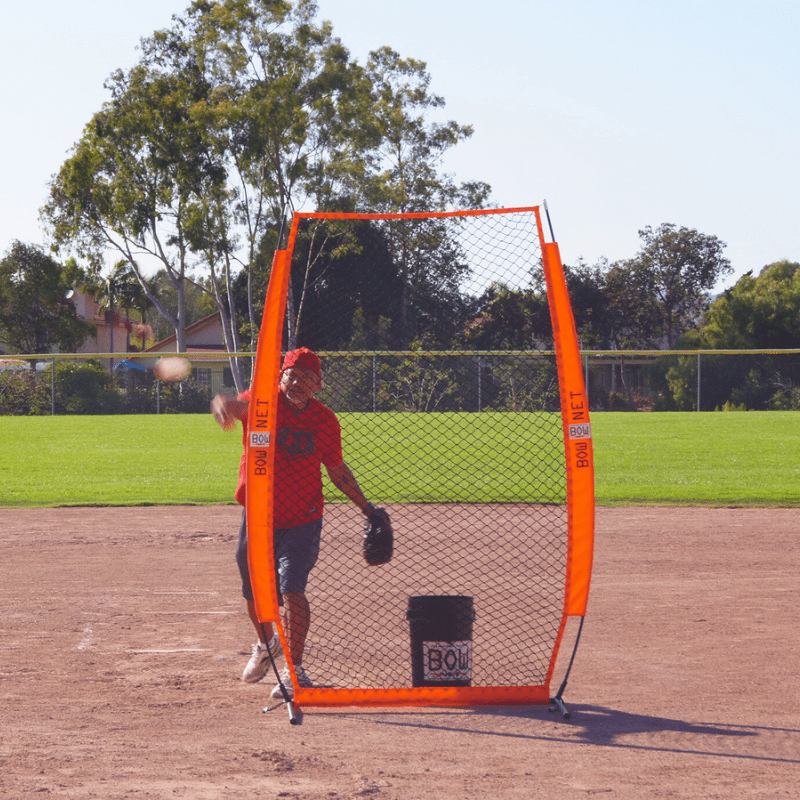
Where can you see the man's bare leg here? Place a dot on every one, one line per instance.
(298, 619)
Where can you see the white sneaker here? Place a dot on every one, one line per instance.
(286, 679)
(259, 662)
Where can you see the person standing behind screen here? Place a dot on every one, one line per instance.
(308, 436)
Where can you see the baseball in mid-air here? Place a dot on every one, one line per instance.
(172, 368)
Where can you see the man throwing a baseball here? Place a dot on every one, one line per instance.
(308, 436)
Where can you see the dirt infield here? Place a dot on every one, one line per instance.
(123, 638)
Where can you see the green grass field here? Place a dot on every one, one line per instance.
(715, 458)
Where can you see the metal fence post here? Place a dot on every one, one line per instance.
(374, 383)
(53, 389)
(480, 383)
(586, 378)
(698, 381)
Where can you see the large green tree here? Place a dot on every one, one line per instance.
(140, 179)
(510, 319)
(758, 312)
(648, 301)
(230, 118)
(614, 305)
(633, 312)
(675, 270)
(239, 113)
(36, 315)
(407, 177)
(405, 173)
(349, 282)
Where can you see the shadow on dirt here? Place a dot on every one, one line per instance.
(600, 725)
(595, 725)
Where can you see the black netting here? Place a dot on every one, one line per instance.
(508, 557)
(436, 350)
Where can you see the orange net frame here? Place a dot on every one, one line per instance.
(463, 412)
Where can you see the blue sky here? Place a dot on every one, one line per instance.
(620, 114)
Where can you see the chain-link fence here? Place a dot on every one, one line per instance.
(109, 384)
(697, 380)
(468, 381)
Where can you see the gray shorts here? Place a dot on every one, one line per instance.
(296, 552)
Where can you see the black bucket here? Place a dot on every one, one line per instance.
(441, 640)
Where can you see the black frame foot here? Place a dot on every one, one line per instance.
(557, 702)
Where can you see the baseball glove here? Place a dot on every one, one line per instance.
(378, 537)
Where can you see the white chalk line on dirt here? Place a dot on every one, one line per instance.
(175, 650)
(649, 581)
(187, 612)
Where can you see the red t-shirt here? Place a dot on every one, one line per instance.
(305, 440)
